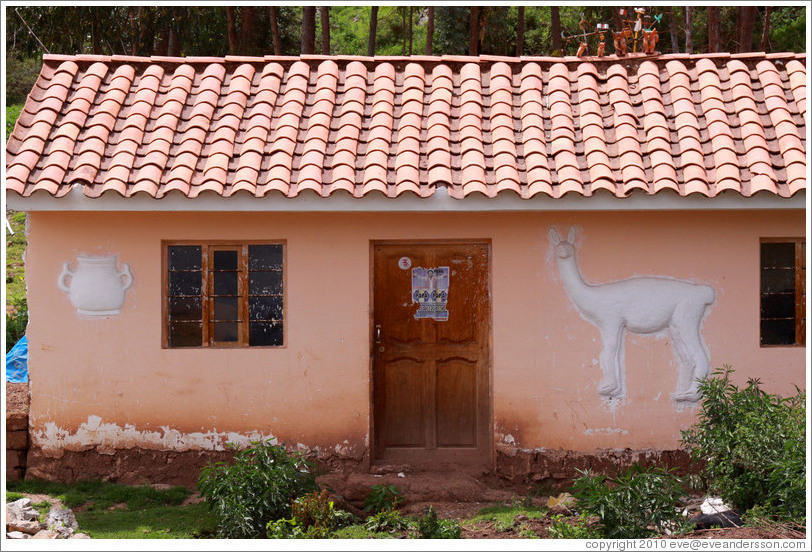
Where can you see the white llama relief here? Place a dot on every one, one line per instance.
(641, 305)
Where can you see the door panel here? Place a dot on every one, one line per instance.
(456, 403)
(403, 382)
(431, 382)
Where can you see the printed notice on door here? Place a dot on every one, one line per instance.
(430, 292)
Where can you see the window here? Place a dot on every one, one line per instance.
(224, 295)
(783, 291)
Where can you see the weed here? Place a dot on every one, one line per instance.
(256, 488)
(430, 526)
(753, 445)
(314, 517)
(632, 503)
(386, 521)
(580, 529)
(382, 498)
(504, 516)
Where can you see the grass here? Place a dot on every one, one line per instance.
(504, 515)
(15, 269)
(108, 510)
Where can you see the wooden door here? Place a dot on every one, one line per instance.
(431, 382)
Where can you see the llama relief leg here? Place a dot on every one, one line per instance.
(610, 386)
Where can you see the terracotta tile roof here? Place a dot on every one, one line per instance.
(551, 126)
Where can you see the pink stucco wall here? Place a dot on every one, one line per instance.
(107, 383)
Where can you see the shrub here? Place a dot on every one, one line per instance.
(386, 521)
(382, 498)
(256, 488)
(314, 517)
(581, 529)
(431, 527)
(636, 504)
(753, 445)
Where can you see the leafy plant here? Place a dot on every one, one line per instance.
(636, 504)
(430, 526)
(581, 529)
(753, 445)
(256, 488)
(386, 521)
(382, 498)
(313, 517)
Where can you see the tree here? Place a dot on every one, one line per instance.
(520, 33)
(765, 33)
(324, 11)
(747, 22)
(277, 39)
(473, 37)
(373, 31)
(430, 31)
(689, 33)
(714, 29)
(555, 30)
(308, 29)
(672, 29)
(232, 31)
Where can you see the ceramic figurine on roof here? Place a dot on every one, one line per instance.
(650, 39)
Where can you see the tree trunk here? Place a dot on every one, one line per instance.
(473, 39)
(520, 33)
(430, 31)
(308, 29)
(672, 30)
(232, 31)
(747, 22)
(373, 30)
(714, 30)
(689, 34)
(277, 40)
(765, 35)
(411, 36)
(324, 12)
(174, 49)
(247, 42)
(555, 29)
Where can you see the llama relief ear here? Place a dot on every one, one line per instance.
(555, 237)
(571, 235)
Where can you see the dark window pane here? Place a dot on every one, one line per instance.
(184, 257)
(185, 308)
(225, 283)
(185, 334)
(225, 308)
(265, 308)
(265, 334)
(225, 260)
(265, 283)
(264, 257)
(185, 283)
(780, 305)
(778, 332)
(777, 280)
(226, 331)
(778, 254)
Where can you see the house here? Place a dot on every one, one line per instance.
(512, 264)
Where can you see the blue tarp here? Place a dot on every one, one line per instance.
(17, 362)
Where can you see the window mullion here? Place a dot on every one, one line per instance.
(206, 290)
(242, 291)
(800, 285)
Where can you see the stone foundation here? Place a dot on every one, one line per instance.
(17, 401)
(537, 469)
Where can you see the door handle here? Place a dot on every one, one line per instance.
(377, 333)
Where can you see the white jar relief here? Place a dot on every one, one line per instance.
(96, 287)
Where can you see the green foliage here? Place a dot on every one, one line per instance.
(382, 498)
(16, 324)
(97, 495)
(256, 488)
(12, 114)
(15, 268)
(314, 517)
(629, 504)
(386, 521)
(430, 526)
(504, 516)
(580, 529)
(753, 445)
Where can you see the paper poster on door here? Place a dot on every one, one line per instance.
(430, 292)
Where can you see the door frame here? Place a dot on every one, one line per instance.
(490, 460)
